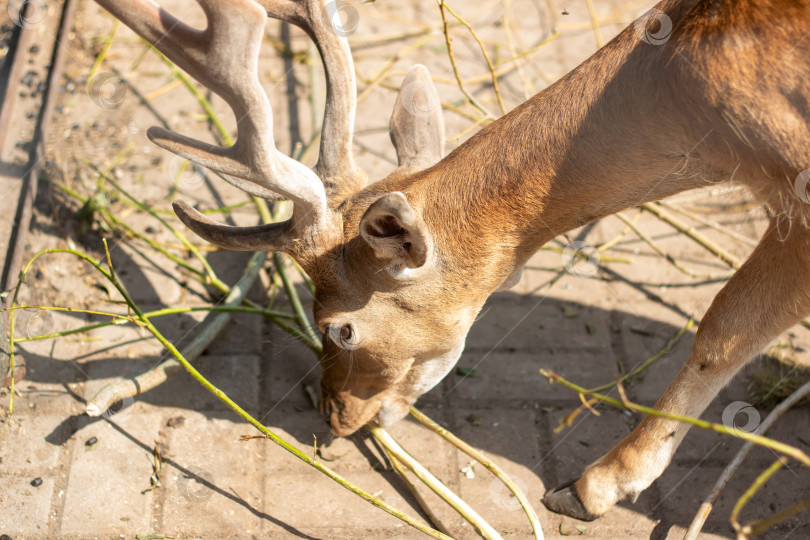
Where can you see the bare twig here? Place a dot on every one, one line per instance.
(690, 232)
(647, 363)
(597, 31)
(669, 258)
(388, 442)
(209, 330)
(449, 42)
(745, 531)
(707, 223)
(728, 472)
(403, 475)
(491, 67)
(486, 462)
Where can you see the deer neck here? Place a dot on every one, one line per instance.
(590, 145)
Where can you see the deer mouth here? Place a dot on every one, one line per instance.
(349, 414)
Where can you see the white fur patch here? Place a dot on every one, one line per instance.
(511, 281)
(431, 372)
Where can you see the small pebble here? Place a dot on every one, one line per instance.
(5, 537)
(176, 421)
(36, 482)
(91, 441)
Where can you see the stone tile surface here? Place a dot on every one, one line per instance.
(591, 327)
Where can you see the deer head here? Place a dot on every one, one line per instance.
(379, 271)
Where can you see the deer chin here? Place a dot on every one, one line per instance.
(393, 410)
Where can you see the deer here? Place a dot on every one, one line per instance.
(694, 93)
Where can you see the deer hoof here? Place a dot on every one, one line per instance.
(564, 500)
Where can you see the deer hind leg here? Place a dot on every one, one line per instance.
(765, 297)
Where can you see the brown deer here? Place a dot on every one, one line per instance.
(696, 93)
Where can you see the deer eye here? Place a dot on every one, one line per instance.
(345, 336)
(346, 332)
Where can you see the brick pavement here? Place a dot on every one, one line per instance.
(213, 485)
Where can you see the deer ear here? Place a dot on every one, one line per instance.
(417, 124)
(396, 231)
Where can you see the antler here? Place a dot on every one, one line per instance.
(224, 58)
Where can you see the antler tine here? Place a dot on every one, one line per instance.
(335, 166)
(224, 57)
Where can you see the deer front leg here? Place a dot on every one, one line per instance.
(766, 296)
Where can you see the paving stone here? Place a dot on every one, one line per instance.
(493, 500)
(24, 445)
(516, 375)
(243, 335)
(641, 338)
(144, 283)
(683, 489)
(26, 509)
(42, 395)
(107, 483)
(49, 368)
(324, 504)
(587, 438)
(512, 322)
(300, 428)
(716, 449)
(509, 438)
(290, 366)
(212, 482)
